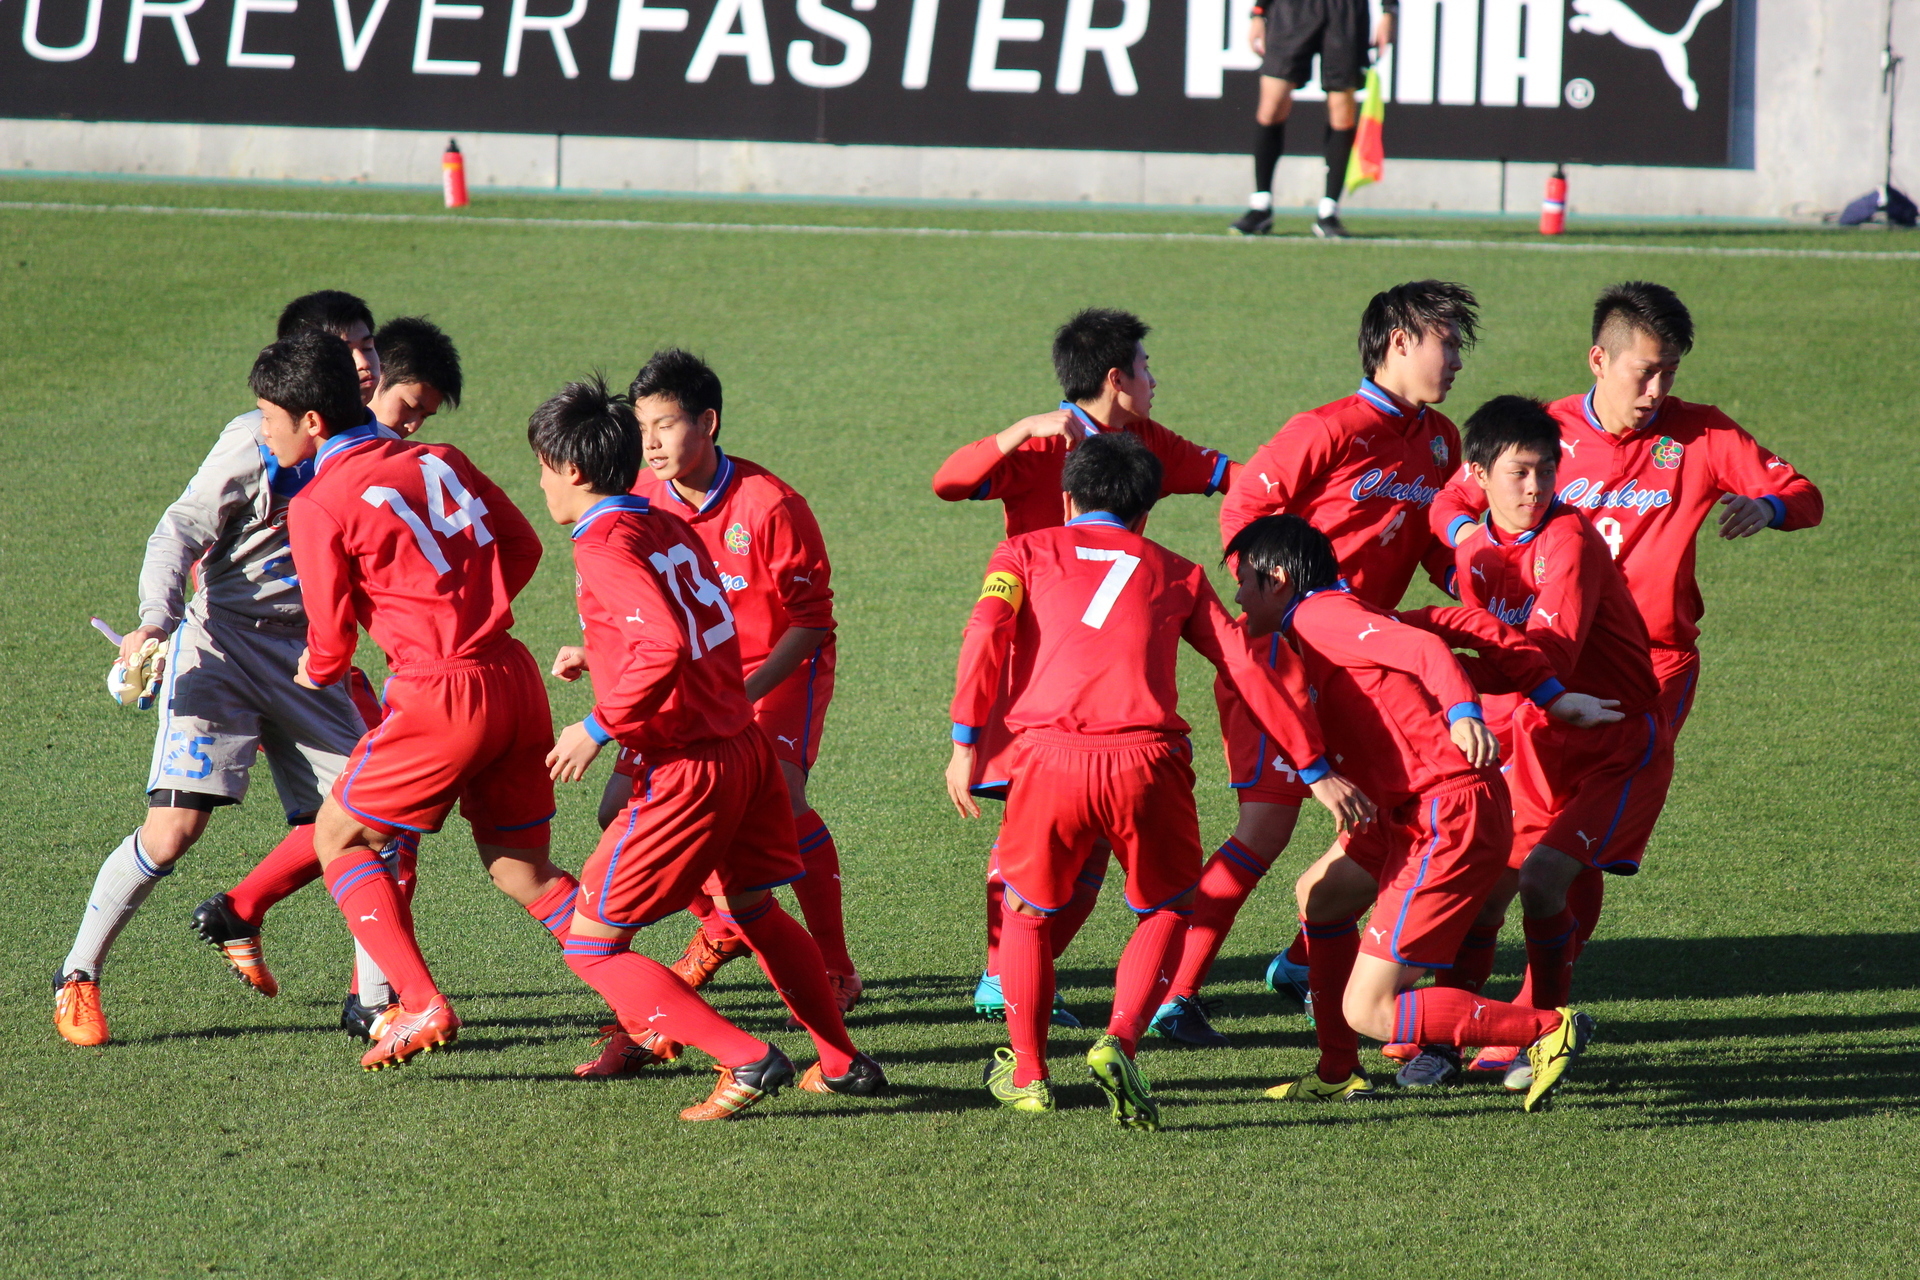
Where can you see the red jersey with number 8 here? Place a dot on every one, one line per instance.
(411, 541)
(660, 637)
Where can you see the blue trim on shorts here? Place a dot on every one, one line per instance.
(1627, 867)
(1406, 904)
(527, 825)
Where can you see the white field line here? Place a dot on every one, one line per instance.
(776, 228)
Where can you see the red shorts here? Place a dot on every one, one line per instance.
(1135, 789)
(365, 700)
(712, 819)
(1678, 671)
(1436, 858)
(475, 730)
(1256, 770)
(1592, 794)
(792, 715)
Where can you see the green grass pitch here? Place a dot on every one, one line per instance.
(1746, 1109)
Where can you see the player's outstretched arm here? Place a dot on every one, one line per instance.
(1762, 489)
(970, 471)
(1280, 471)
(1508, 661)
(1277, 696)
(1187, 467)
(1456, 508)
(227, 481)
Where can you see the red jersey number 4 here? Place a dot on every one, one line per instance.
(449, 506)
(679, 559)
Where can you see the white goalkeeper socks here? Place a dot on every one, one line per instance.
(125, 880)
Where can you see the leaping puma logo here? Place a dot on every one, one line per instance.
(798, 578)
(1569, 446)
(635, 617)
(1548, 616)
(658, 1013)
(1379, 935)
(1613, 18)
(1587, 838)
(1479, 573)
(1369, 631)
(792, 742)
(373, 915)
(1271, 484)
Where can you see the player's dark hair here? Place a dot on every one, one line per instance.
(1115, 473)
(311, 371)
(1289, 545)
(1639, 306)
(589, 427)
(1509, 422)
(1096, 340)
(683, 378)
(413, 349)
(328, 310)
(1421, 308)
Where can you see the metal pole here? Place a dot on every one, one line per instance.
(1889, 85)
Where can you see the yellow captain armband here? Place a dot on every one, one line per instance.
(1003, 586)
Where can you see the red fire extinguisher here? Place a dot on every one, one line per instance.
(1553, 210)
(453, 176)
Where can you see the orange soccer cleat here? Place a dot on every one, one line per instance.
(77, 1015)
(703, 957)
(397, 1034)
(1398, 1052)
(741, 1087)
(237, 942)
(622, 1055)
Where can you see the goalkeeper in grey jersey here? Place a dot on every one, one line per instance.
(227, 690)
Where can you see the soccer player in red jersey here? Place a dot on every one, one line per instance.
(414, 543)
(709, 811)
(769, 558)
(1648, 468)
(1585, 803)
(1106, 386)
(1101, 751)
(1399, 709)
(1362, 470)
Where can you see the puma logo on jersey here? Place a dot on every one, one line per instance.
(635, 617)
(1479, 573)
(1378, 934)
(1271, 484)
(1362, 440)
(373, 916)
(789, 741)
(798, 578)
(1369, 631)
(1478, 1009)
(658, 1013)
(1569, 446)
(1775, 462)
(1550, 617)
(1587, 838)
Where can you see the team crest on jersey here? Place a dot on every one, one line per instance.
(738, 539)
(1666, 453)
(1440, 453)
(1540, 567)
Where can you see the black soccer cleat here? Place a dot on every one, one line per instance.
(238, 942)
(863, 1079)
(1254, 222)
(1184, 1021)
(357, 1019)
(1331, 228)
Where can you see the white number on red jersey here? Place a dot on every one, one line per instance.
(1611, 534)
(681, 556)
(468, 511)
(1110, 586)
(1393, 526)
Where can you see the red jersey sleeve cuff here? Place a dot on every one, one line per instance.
(1464, 711)
(596, 730)
(1543, 694)
(965, 734)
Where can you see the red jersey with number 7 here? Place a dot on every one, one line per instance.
(1361, 470)
(412, 542)
(661, 642)
(1098, 613)
(1648, 492)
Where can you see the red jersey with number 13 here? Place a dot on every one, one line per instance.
(411, 541)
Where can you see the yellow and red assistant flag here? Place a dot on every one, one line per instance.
(1368, 160)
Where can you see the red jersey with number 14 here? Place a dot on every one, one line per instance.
(1098, 613)
(411, 541)
(1648, 492)
(661, 642)
(1361, 470)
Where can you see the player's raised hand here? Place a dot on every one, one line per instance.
(1350, 807)
(135, 640)
(959, 776)
(570, 662)
(300, 676)
(1584, 711)
(1476, 742)
(571, 755)
(1743, 516)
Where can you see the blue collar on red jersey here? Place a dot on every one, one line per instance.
(1098, 517)
(285, 481)
(1339, 587)
(333, 446)
(1086, 420)
(722, 477)
(1493, 532)
(1593, 419)
(618, 502)
(1373, 394)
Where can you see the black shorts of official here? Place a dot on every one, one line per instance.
(1337, 30)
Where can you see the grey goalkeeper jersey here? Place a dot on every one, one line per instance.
(232, 520)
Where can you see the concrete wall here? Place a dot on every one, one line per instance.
(1818, 139)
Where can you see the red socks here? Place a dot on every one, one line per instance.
(1332, 947)
(1140, 983)
(1297, 949)
(791, 960)
(290, 866)
(1551, 949)
(1584, 899)
(379, 921)
(554, 908)
(1066, 921)
(647, 996)
(818, 892)
(1474, 963)
(1448, 1015)
(1225, 885)
(1026, 981)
